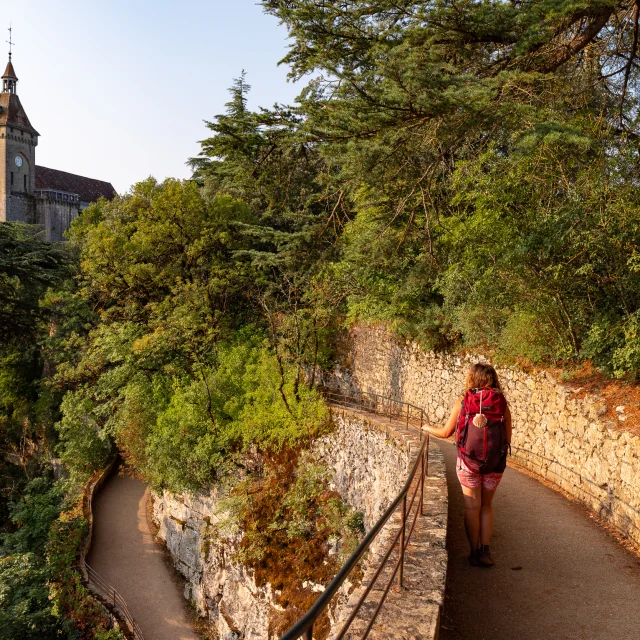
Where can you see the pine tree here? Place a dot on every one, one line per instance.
(470, 138)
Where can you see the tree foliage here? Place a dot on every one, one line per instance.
(166, 369)
(28, 268)
(26, 611)
(490, 153)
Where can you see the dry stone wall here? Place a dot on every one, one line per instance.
(370, 462)
(558, 435)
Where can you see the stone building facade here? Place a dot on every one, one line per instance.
(30, 193)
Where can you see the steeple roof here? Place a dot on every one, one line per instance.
(9, 72)
(12, 114)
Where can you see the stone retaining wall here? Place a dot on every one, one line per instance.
(371, 461)
(558, 435)
(414, 611)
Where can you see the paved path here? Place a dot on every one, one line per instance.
(125, 554)
(558, 575)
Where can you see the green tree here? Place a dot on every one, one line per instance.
(266, 159)
(157, 270)
(263, 159)
(28, 267)
(532, 108)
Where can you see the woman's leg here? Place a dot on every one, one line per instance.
(472, 507)
(486, 516)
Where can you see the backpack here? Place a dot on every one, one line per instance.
(480, 431)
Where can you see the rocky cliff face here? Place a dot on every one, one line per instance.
(222, 590)
(370, 467)
(560, 433)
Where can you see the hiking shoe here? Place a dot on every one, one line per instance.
(483, 556)
(473, 558)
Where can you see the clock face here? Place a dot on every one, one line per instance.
(18, 161)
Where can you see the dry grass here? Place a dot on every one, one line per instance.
(586, 379)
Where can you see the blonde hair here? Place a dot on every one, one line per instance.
(482, 375)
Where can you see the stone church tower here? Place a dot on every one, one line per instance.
(18, 140)
(34, 194)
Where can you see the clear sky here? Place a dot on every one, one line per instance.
(119, 89)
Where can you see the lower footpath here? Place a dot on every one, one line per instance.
(125, 554)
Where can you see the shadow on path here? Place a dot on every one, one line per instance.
(558, 575)
(125, 554)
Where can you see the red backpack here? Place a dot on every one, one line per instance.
(482, 441)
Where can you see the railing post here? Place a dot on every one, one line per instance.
(425, 453)
(426, 472)
(402, 534)
(308, 634)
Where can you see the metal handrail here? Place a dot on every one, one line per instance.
(369, 401)
(380, 405)
(114, 599)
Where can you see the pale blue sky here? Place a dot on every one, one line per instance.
(118, 89)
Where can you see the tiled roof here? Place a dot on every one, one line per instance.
(9, 72)
(88, 189)
(12, 113)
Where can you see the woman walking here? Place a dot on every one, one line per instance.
(481, 421)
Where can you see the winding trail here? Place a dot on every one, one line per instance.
(558, 575)
(126, 555)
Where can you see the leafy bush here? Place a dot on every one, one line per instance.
(524, 335)
(79, 614)
(41, 593)
(25, 610)
(211, 421)
(32, 516)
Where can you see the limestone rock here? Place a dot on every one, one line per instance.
(370, 463)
